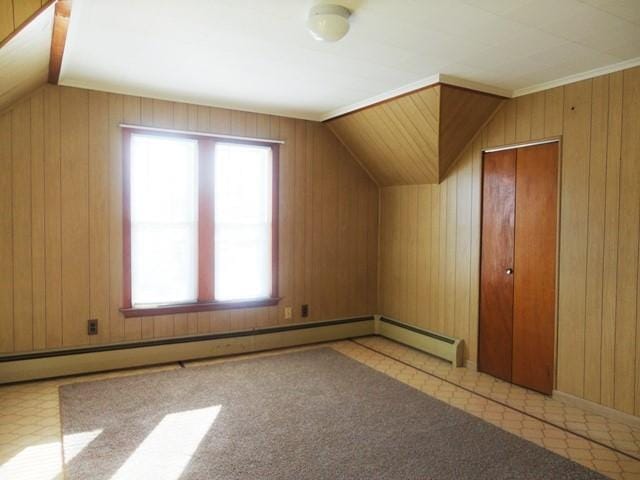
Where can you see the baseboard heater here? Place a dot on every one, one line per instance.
(57, 363)
(436, 344)
(65, 362)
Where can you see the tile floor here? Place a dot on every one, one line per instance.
(30, 439)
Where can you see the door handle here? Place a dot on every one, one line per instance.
(509, 271)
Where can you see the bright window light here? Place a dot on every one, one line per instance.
(167, 450)
(164, 220)
(243, 186)
(43, 461)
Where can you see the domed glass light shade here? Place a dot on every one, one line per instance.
(328, 23)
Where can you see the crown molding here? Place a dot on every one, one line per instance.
(410, 87)
(480, 87)
(439, 78)
(596, 72)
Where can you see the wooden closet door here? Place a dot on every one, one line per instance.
(535, 267)
(496, 281)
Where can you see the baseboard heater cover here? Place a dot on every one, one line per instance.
(436, 344)
(50, 364)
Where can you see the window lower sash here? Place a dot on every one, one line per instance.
(198, 307)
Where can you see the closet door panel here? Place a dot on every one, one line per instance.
(535, 267)
(496, 282)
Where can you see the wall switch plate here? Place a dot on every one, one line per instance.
(287, 313)
(304, 311)
(92, 326)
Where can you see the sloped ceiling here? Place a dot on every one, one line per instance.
(413, 139)
(24, 58)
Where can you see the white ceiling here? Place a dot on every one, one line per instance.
(257, 55)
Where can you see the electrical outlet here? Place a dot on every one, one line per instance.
(92, 326)
(304, 311)
(287, 313)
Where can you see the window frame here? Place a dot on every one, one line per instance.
(206, 226)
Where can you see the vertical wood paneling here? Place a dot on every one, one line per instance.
(610, 261)
(37, 221)
(6, 236)
(450, 253)
(474, 275)
(423, 264)
(99, 212)
(434, 258)
(463, 248)
(626, 309)
(595, 237)
(53, 234)
(496, 129)
(61, 205)
(537, 115)
(573, 236)
(553, 111)
(598, 316)
(510, 122)
(409, 253)
(116, 115)
(629, 286)
(22, 274)
(523, 118)
(372, 246)
(74, 109)
(299, 226)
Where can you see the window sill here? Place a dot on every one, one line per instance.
(197, 307)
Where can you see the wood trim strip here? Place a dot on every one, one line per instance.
(198, 307)
(24, 24)
(275, 223)
(381, 102)
(61, 19)
(197, 134)
(426, 87)
(126, 219)
(206, 222)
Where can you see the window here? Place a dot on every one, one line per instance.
(200, 223)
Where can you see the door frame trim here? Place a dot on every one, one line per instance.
(512, 146)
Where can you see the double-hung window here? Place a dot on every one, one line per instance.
(200, 223)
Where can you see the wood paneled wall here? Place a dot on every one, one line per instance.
(61, 220)
(429, 238)
(13, 13)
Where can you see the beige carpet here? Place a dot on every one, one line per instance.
(313, 414)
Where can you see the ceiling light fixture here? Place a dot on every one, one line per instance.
(328, 23)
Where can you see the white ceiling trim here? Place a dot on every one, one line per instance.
(596, 72)
(411, 87)
(136, 92)
(425, 82)
(480, 87)
(460, 82)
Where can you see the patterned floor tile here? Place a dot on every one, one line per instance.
(30, 439)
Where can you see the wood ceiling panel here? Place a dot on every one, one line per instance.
(463, 113)
(16, 14)
(414, 138)
(24, 59)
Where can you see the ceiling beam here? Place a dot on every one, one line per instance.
(59, 38)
